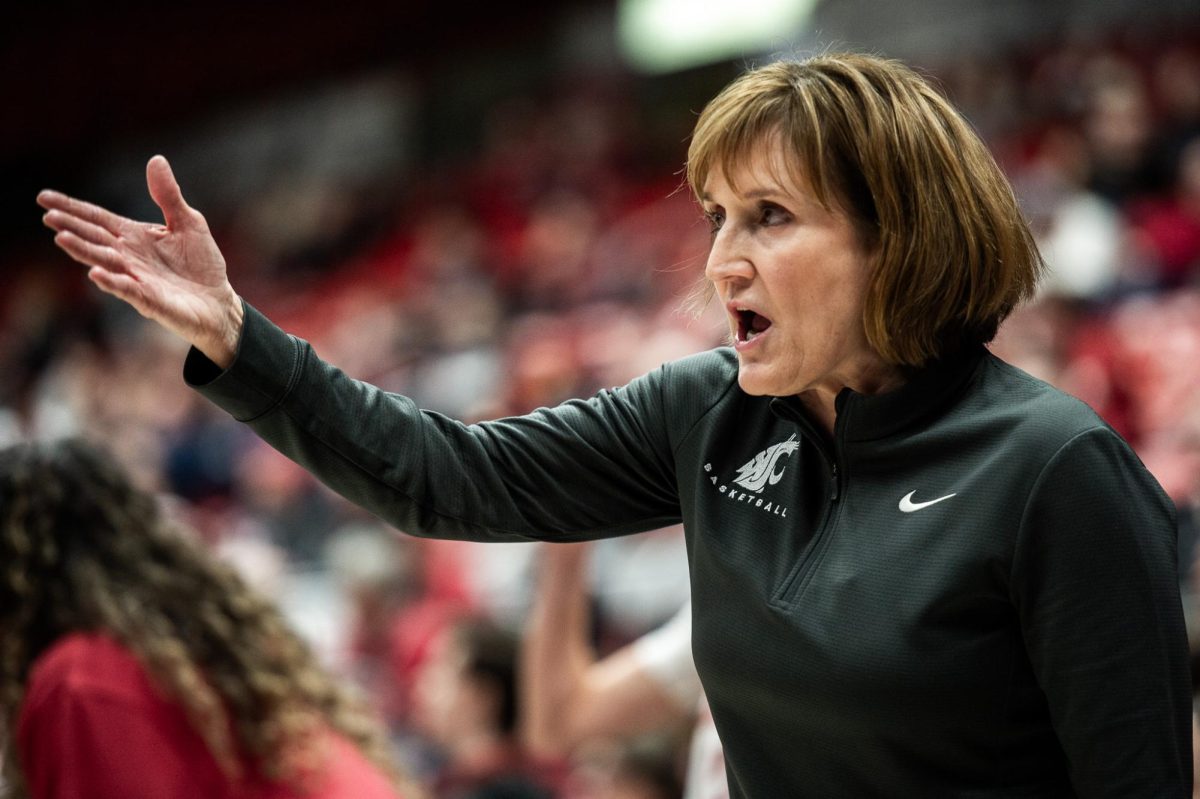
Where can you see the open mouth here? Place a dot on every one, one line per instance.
(750, 325)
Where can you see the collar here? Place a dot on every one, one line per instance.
(862, 417)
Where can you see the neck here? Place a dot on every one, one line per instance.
(821, 401)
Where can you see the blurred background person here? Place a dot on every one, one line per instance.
(572, 698)
(642, 769)
(466, 702)
(133, 664)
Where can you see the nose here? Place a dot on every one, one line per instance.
(727, 258)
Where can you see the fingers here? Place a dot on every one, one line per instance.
(165, 191)
(101, 217)
(89, 254)
(120, 286)
(62, 221)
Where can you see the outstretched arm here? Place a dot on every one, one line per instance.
(173, 273)
(567, 695)
(585, 469)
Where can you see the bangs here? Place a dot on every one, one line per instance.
(759, 111)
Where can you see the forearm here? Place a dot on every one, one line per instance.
(583, 470)
(555, 652)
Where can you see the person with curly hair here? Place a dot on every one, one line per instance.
(134, 664)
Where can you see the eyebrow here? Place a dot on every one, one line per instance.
(756, 194)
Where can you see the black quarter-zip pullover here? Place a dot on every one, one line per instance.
(969, 592)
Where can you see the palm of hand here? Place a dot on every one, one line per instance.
(179, 272)
(173, 274)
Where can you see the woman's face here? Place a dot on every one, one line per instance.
(792, 277)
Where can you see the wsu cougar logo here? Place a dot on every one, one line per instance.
(760, 472)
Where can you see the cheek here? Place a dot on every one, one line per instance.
(844, 303)
(828, 326)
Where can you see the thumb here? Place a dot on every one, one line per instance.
(165, 192)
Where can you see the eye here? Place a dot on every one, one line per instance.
(771, 214)
(716, 219)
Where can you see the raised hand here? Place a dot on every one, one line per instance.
(173, 274)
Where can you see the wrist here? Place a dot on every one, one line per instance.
(224, 348)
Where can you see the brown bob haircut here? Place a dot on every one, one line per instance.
(874, 139)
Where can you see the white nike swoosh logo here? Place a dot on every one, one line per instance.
(908, 506)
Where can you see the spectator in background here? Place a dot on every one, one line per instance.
(641, 770)
(1169, 225)
(379, 574)
(399, 605)
(1080, 234)
(571, 697)
(1117, 125)
(1176, 85)
(466, 702)
(132, 664)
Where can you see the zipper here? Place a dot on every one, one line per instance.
(793, 585)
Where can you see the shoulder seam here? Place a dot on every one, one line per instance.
(1037, 482)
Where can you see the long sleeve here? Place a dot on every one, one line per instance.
(1094, 581)
(586, 469)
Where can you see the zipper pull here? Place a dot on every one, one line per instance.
(835, 484)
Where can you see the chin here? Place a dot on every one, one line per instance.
(754, 383)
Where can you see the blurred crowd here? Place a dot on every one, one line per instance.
(557, 260)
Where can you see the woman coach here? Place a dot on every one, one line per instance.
(916, 570)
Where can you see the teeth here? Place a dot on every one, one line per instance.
(744, 333)
(749, 324)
